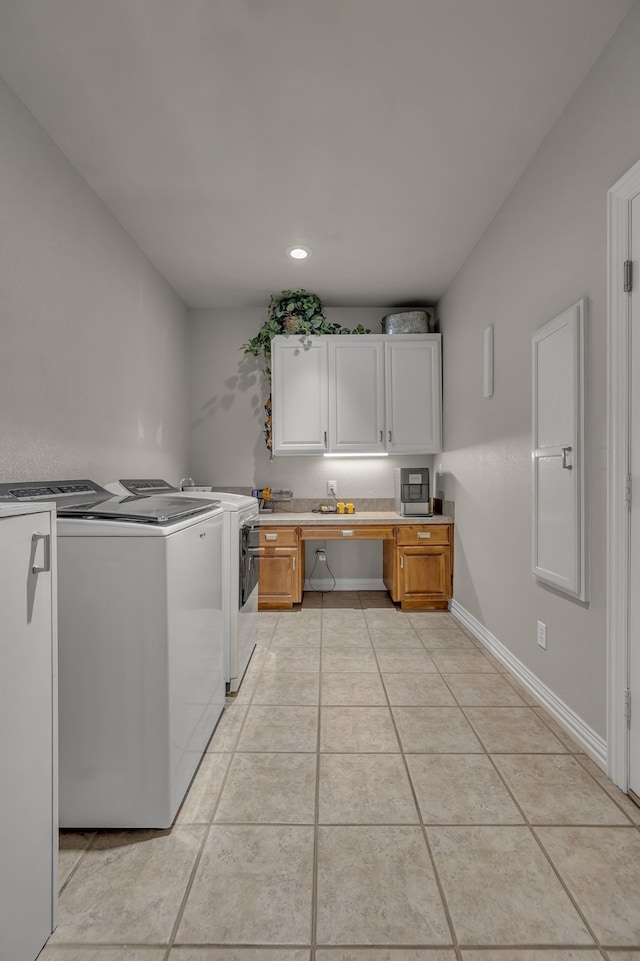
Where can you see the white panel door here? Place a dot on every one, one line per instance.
(413, 375)
(28, 825)
(300, 408)
(634, 580)
(356, 394)
(558, 453)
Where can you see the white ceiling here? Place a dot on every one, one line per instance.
(382, 134)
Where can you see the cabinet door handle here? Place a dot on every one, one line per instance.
(271, 537)
(402, 562)
(325, 438)
(424, 533)
(293, 561)
(381, 436)
(565, 453)
(389, 436)
(347, 533)
(46, 561)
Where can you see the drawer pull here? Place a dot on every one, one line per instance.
(347, 533)
(424, 533)
(271, 537)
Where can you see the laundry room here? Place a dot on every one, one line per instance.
(254, 712)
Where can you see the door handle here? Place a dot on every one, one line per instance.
(381, 436)
(402, 562)
(46, 541)
(389, 436)
(293, 561)
(565, 452)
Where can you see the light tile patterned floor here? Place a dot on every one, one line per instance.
(379, 790)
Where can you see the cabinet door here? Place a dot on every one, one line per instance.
(300, 407)
(28, 827)
(413, 376)
(278, 580)
(356, 394)
(424, 574)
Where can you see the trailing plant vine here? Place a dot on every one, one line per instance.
(293, 312)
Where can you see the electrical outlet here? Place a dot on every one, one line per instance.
(332, 487)
(321, 556)
(542, 635)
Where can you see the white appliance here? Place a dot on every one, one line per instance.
(240, 570)
(28, 721)
(141, 661)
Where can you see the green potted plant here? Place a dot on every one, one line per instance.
(293, 312)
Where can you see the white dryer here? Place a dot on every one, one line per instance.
(141, 658)
(240, 571)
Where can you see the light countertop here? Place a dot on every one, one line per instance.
(291, 519)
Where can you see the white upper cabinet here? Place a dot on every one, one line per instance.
(413, 379)
(357, 393)
(299, 396)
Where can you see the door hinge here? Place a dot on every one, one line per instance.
(627, 705)
(628, 276)
(627, 492)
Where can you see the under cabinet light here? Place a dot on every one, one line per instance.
(358, 454)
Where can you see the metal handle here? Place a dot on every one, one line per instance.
(271, 537)
(46, 539)
(325, 438)
(347, 533)
(293, 561)
(565, 452)
(402, 562)
(389, 436)
(424, 533)
(381, 436)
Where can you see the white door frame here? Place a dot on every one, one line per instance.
(618, 472)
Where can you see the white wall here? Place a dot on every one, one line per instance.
(93, 351)
(545, 250)
(227, 396)
(228, 391)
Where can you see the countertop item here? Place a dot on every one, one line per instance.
(284, 518)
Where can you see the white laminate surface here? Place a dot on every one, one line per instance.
(284, 518)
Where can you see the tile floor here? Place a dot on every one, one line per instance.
(379, 790)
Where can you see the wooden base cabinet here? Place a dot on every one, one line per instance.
(418, 566)
(281, 560)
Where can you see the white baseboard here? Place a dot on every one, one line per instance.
(594, 745)
(345, 584)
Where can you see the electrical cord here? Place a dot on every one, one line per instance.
(315, 589)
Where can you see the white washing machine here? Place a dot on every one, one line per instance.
(141, 653)
(240, 570)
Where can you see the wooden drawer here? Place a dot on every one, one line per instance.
(423, 535)
(278, 536)
(345, 532)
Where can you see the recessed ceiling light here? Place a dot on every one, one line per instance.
(298, 252)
